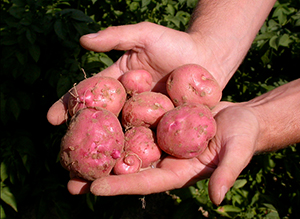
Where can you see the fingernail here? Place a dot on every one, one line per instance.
(91, 35)
(223, 192)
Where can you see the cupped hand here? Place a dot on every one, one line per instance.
(149, 46)
(228, 153)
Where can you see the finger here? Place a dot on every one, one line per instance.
(220, 106)
(124, 37)
(232, 161)
(58, 114)
(172, 173)
(78, 186)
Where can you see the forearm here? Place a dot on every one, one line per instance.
(228, 27)
(278, 112)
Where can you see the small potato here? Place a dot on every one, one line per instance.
(142, 141)
(128, 163)
(93, 143)
(145, 109)
(185, 131)
(192, 83)
(136, 81)
(97, 91)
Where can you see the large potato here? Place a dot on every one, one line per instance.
(185, 131)
(93, 143)
(192, 83)
(97, 91)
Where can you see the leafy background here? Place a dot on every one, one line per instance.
(41, 59)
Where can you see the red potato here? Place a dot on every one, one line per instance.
(136, 81)
(93, 143)
(185, 131)
(142, 141)
(145, 109)
(128, 163)
(97, 91)
(192, 83)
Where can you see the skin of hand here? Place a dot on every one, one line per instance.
(151, 47)
(222, 161)
(172, 173)
(243, 129)
(159, 50)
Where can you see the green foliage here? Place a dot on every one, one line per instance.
(41, 59)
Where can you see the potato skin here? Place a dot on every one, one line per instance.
(97, 91)
(129, 162)
(185, 131)
(136, 81)
(192, 83)
(92, 144)
(145, 109)
(142, 141)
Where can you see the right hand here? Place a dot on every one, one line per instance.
(228, 153)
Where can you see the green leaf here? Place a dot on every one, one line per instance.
(285, 40)
(3, 172)
(17, 12)
(2, 212)
(34, 51)
(8, 41)
(106, 60)
(175, 20)
(281, 15)
(229, 208)
(80, 16)
(60, 29)
(265, 36)
(170, 9)
(8, 197)
(81, 28)
(31, 36)
(63, 85)
(266, 57)
(13, 107)
(273, 25)
(21, 57)
(31, 73)
(274, 42)
(134, 6)
(191, 3)
(90, 201)
(297, 23)
(239, 183)
(270, 206)
(145, 2)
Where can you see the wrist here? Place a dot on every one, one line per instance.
(227, 29)
(278, 116)
(221, 59)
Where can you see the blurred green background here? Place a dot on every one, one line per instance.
(41, 59)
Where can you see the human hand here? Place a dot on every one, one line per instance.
(151, 47)
(227, 155)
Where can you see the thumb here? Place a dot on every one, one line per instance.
(234, 157)
(125, 37)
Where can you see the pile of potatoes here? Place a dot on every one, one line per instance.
(121, 126)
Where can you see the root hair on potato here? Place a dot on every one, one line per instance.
(84, 74)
